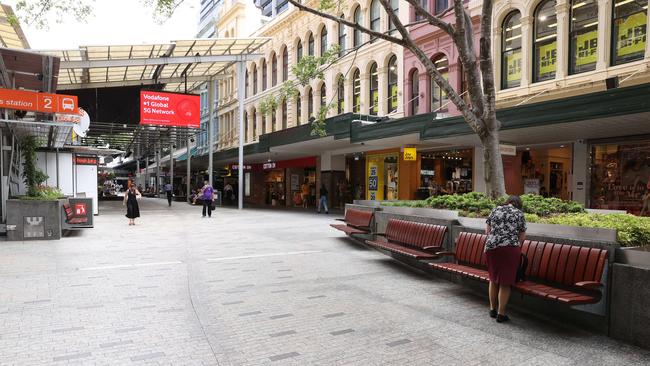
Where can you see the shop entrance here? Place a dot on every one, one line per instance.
(544, 170)
(445, 172)
(383, 170)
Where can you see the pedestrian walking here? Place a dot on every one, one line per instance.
(131, 202)
(170, 194)
(506, 230)
(207, 195)
(322, 202)
(304, 193)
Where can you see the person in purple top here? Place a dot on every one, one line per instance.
(207, 195)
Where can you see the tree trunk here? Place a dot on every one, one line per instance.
(493, 165)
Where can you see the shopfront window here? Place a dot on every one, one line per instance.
(392, 85)
(358, 18)
(356, 91)
(382, 176)
(545, 41)
(511, 51)
(584, 36)
(629, 30)
(620, 176)
(439, 99)
(414, 103)
(445, 172)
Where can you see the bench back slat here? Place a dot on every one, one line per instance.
(417, 234)
(358, 218)
(469, 249)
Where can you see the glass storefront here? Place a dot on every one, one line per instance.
(445, 172)
(543, 170)
(382, 176)
(620, 176)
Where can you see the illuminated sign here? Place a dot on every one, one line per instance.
(170, 109)
(38, 102)
(410, 154)
(86, 160)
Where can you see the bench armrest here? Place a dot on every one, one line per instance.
(340, 220)
(432, 248)
(591, 285)
(444, 253)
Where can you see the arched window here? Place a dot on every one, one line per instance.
(323, 41)
(310, 45)
(284, 114)
(263, 124)
(298, 109)
(374, 17)
(425, 5)
(254, 116)
(341, 29)
(299, 51)
(340, 94)
(356, 91)
(247, 85)
(392, 85)
(254, 79)
(414, 102)
(274, 70)
(438, 96)
(274, 120)
(323, 95)
(511, 51)
(583, 41)
(285, 64)
(394, 4)
(358, 18)
(310, 103)
(629, 30)
(545, 53)
(264, 75)
(373, 92)
(245, 126)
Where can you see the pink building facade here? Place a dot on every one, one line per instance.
(421, 95)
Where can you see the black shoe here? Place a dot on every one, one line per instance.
(493, 313)
(502, 318)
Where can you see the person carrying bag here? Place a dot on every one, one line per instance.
(207, 198)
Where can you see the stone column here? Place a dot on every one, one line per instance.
(382, 100)
(562, 61)
(580, 171)
(526, 50)
(604, 34)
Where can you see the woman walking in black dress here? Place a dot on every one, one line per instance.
(131, 202)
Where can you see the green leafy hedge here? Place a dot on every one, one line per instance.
(44, 193)
(631, 230)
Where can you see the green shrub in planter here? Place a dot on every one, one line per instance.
(631, 230)
(44, 193)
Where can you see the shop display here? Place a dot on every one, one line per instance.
(445, 172)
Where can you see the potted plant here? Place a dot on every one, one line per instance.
(37, 215)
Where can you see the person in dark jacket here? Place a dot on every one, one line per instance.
(322, 202)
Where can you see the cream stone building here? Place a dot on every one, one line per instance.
(365, 79)
(552, 49)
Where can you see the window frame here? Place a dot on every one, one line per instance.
(264, 75)
(414, 101)
(512, 51)
(310, 103)
(285, 64)
(545, 41)
(373, 89)
(274, 70)
(255, 81)
(392, 62)
(614, 36)
(340, 94)
(298, 108)
(342, 37)
(442, 98)
(311, 45)
(357, 36)
(575, 33)
(375, 23)
(323, 40)
(356, 91)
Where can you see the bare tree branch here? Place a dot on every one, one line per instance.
(354, 25)
(432, 19)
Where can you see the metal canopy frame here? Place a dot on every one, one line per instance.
(48, 134)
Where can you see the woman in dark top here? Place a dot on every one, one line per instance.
(131, 202)
(322, 202)
(506, 230)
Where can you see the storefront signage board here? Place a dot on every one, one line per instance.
(410, 154)
(531, 186)
(547, 58)
(86, 160)
(508, 150)
(513, 66)
(169, 109)
(632, 34)
(587, 48)
(38, 102)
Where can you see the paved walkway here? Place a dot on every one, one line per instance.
(253, 288)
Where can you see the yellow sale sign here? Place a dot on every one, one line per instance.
(631, 34)
(547, 58)
(513, 66)
(587, 48)
(410, 153)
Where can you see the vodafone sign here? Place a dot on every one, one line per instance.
(38, 102)
(170, 109)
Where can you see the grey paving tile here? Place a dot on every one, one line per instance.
(72, 356)
(127, 330)
(343, 331)
(280, 316)
(115, 344)
(147, 356)
(251, 313)
(284, 333)
(398, 342)
(333, 315)
(63, 330)
(284, 356)
(232, 302)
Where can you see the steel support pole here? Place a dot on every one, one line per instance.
(241, 70)
(210, 137)
(171, 166)
(146, 172)
(189, 177)
(137, 165)
(157, 185)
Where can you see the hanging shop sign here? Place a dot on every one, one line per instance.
(170, 109)
(38, 102)
(86, 160)
(410, 154)
(509, 150)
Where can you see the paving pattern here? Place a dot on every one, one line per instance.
(256, 287)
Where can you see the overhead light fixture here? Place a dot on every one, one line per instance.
(622, 3)
(579, 5)
(590, 24)
(562, 146)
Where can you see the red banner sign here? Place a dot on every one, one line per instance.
(38, 102)
(170, 109)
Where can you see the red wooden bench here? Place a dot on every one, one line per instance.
(356, 222)
(70, 217)
(567, 274)
(413, 239)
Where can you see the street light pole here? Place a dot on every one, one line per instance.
(241, 70)
(210, 137)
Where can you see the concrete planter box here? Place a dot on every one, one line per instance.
(634, 256)
(367, 203)
(630, 300)
(33, 220)
(423, 212)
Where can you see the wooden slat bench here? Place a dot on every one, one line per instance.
(355, 222)
(70, 217)
(412, 239)
(567, 274)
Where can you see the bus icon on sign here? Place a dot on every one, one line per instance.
(67, 104)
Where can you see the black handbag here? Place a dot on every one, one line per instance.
(521, 270)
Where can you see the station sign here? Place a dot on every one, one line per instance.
(24, 100)
(170, 109)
